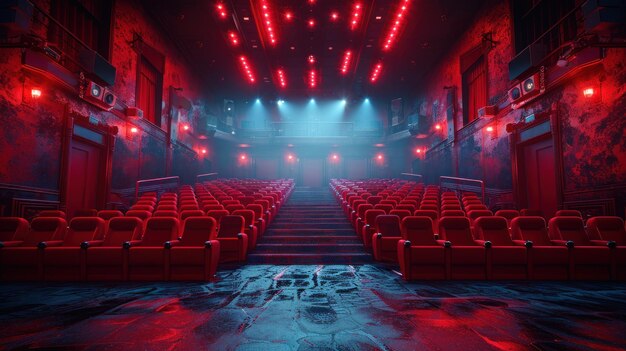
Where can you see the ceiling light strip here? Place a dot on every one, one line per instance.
(268, 22)
(247, 69)
(376, 72)
(345, 63)
(282, 79)
(397, 21)
(357, 14)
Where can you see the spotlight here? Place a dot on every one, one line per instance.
(344, 101)
(312, 101)
(280, 102)
(335, 157)
(367, 100)
(258, 101)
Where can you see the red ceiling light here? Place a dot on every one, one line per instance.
(334, 16)
(311, 2)
(221, 10)
(288, 16)
(345, 63)
(234, 40)
(282, 80)
(357, 14)
(311, 59)
(311, 23)
(376, 72)
(247, 69)
(268, 23)
(397, 22)
(313, 78)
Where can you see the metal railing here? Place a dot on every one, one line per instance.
(413, 177)
(206, 176)
(156, 184)
(463, 184)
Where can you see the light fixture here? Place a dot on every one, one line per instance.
(313, 78)
(357, 14)
(312, 101)
(280, 102)
(134, 130)
(203, 151)
(418, 150)
(344, 101)
(221, 10)
(35, 93)
(234, 40)
(335, 157)
(438, 126)
(242, 157)
(311, 59)
(367, 100)
(282, 80)
(311, 23)
(247, 69)
(376, 72)
(345, 63)
(588, 92)
(489, 129)
(334, 16)
(258, 101)
(185, 126)
(288, 16)
(268, 23)
(397, 22)
(290, 157)
(380, 157)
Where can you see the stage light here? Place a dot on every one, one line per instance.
(311, 59)
(392, 34)
(282, 80)
(280, 102)
(418, 150)
(367, 100)
(344, 101)
(247, 69)
(35, 93)
(357, 13)
(258, 101)
(288, 16)
(242, 157)
(347, 58)
(588, 92)
(379, 157)
(312, 101)
(268, 22)
(290, 157)
(335, 157)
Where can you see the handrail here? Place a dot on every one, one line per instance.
(482, 184)
(154, 180)
(209, 176)
(410, 176)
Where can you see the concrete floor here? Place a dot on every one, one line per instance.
(337, 307)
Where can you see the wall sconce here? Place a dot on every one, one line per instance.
(132, 131)
(588, 92)
(35, 93)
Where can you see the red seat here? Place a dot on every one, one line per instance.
(21, 259)
(419, 254)
(267, 213)
(190, 213)
(453, 213)
(217, 216)
(611, 229)
(212, 207)
(12, 229)
(385, 207)
(508, 214)
(433, 215)
(353, 209)
(235, 207)
(143, 215)
(567, 213)
(233, 240)
(165, 213)
(359, 222)
(106, 260)
(400, 213)
(86, 212)
(147, 208)
(250, 229)
(374, 200)
(531, 212)
(385, 240)
(370, 226)
(258, 215)
(64, 260)
(147, 258)
(473, 215)
(196, 256)
(505, 259)
(108, 214)
(51, 213)
(467, 257)
(546, 261)
(590, 260)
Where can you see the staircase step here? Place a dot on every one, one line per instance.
(310, 239)
(310, 231)
(312, 225)
(318, 248)
(280, 258)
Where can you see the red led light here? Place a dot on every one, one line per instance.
(334, 16)
(242, 157)
(345, 63)
(313, 78)
(335, 157)
(376, 72)
(290, 157)
(134, 130)
(357, 13)
(288, 16)
(380, 157)
(266, 15)
(221, 10)
(490, 129)
(392, 34)
(311, 59)
(185, 126)
(438, 126)
(234, 40)
(35, 93)
(203, 151)
(418, 150)
(311, 23)
(247, 69)
(588, 92)
(282, 80)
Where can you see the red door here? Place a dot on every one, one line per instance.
(540, 172)
(85, 177)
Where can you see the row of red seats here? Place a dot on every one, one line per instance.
(565, 249)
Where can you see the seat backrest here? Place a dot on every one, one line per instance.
(51, 213)
(374, 199)
(246, 200)
(189, 208)
(207, 208)
(388, 225)
(86, 212)
(190, 213)
(165, 213)
(13, 228)
(143, 215)
(532, 228)
(258, 209)
(264, 203)
(248, 216)
(451, 207)
(474, 214)
(393, 203)
(452, 213)
(230, 202)
(234, 207)
(508, 214)
(198, 230)
(45, 229)
(122, 229)
(456, 230)
(356, 203)
(568, 213)
(230, 226)
(370, 216)
(217, 215)
(608, 228)
(159, 230)
(568, 228)
(400, 213)
(362, 208)
(142, 208)
(385, 207)
(84, 229)
(418, 230)
(405, 206)
(166, 208)
(430, 207)
(108, 214)
(494, 229)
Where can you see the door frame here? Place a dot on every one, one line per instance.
(106, 143)
(545, 126)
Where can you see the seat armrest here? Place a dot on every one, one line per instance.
(609, 243)
(444, 243)
(50, 243)
(484, 243)
(520, 242)
(567, 243)
(10, 243)
(87, 244)
(129, 244)
(171, 243)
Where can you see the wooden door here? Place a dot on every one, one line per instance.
(540, 176)
(85, 177)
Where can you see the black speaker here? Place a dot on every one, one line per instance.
(229, 107)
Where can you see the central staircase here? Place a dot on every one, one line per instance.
(310, 228)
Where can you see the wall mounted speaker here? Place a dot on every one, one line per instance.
(515, 93)
(94, 91)
(109, 99)
(530, 85)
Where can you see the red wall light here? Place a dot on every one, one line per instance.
(134, 130)
(489, 129)
(203, 151)
(35, 93)
(185, 126)
(379, 157)
(288, 16)
(334, 16)
(437, 126)
(588, 92)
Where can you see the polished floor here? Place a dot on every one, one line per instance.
(333, 307)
